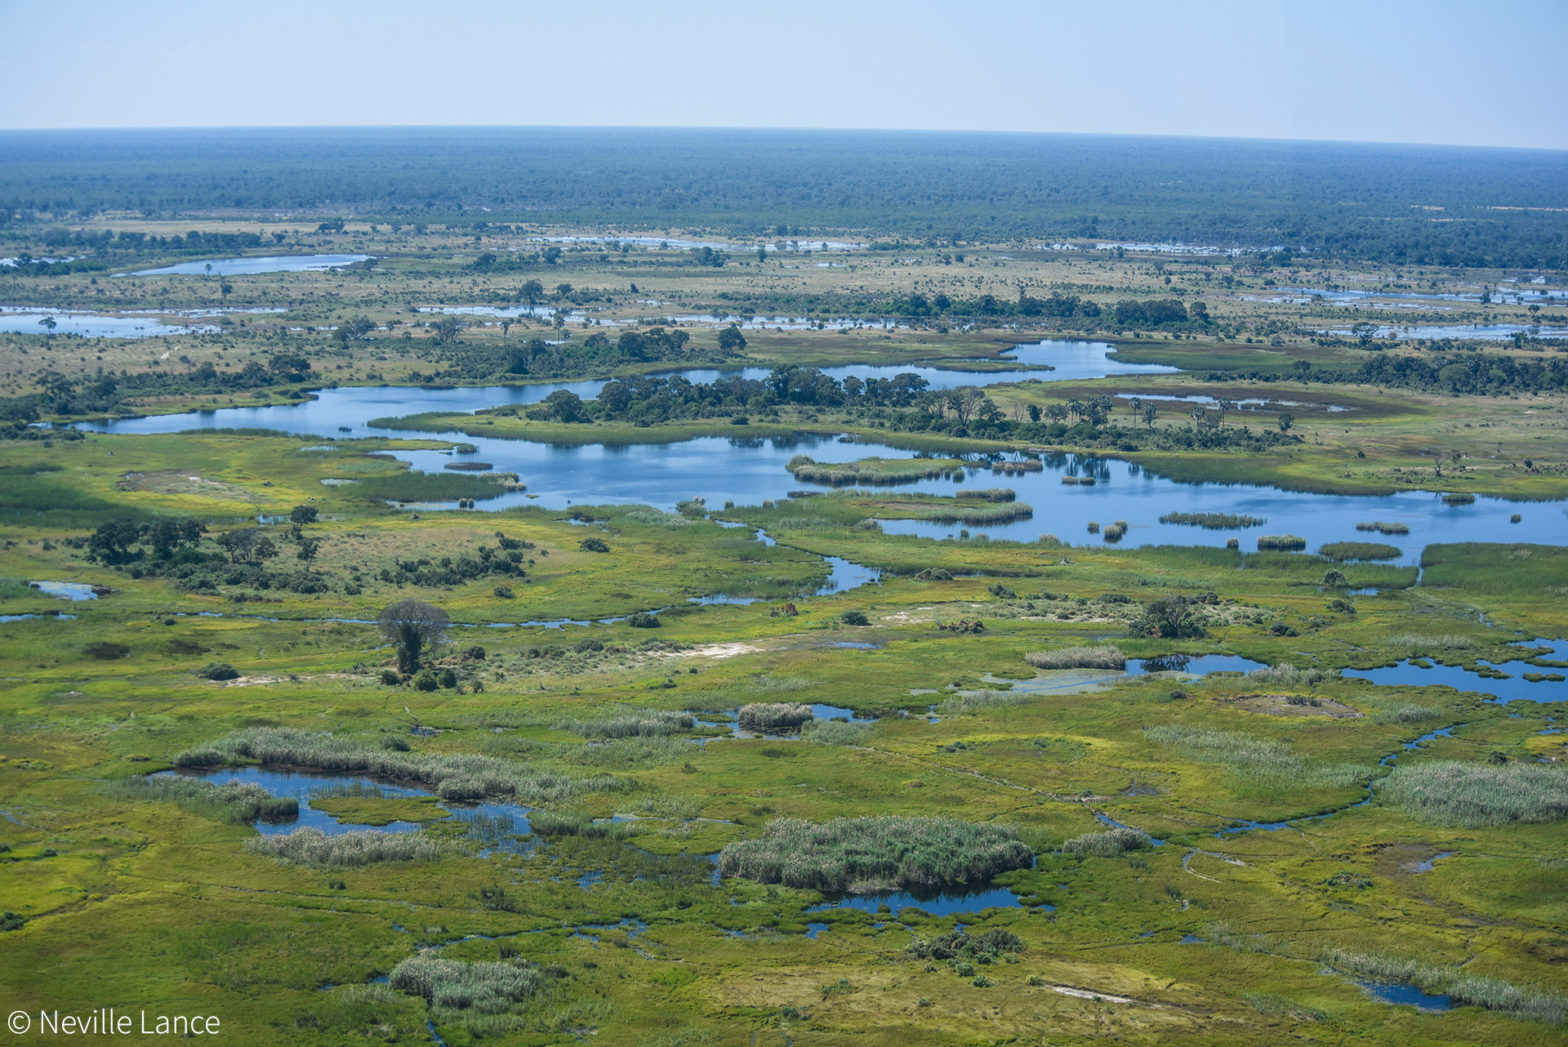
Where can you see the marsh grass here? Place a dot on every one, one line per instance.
(987, 494)
(1284, 543)
(1468, 795)
(453, 776)
(871, 854)
(1255, 759)
(836, 732)
(485, 987)
(636, 751)
(1407, 712)
(773, 717)
(643, 723)
(576, 823)
(311, 846)
(1213, 521)
(970, 702)
(429, 487)
(1383, 527)
(1108, 844)
(239, 802)
(1286, 675)
(1103, 656)
(1340, 552)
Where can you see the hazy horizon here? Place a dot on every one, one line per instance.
(1401, 72)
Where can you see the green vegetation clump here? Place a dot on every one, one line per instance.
(1383, 527)
(1342, 551)
(773, 716)
(485, 987)
(988, 494)
(1103, 656)
(218, 671)
(311, 846)
(1284, 543)
(1468, 795)
(454, 776)
(232, 801)
(1458, 499)
(1108, 844)
(959, 944)
(1213, 521)
(644, 723)
(576, 823)
(875, 854)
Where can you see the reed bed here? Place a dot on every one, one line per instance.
(485, 987)
(1011, 468)
(1468, 795)
(773, 717)
(1103, 656)
(1383, 527)
(1286, 675)
(643, 723)
(1283, 543)
(1213, 521)
(1494, 994)
(1108, 844)
(239, 802)
(311, 846)
(871, 854)
(452, 776)
(987, 494)
(1078, 481)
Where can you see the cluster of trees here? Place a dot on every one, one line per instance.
(1451, 373)
(1159, 312)
(1412, 204)
(106, 392)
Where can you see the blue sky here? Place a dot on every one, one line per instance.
(1396, 71)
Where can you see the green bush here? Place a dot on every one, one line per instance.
(218, 671)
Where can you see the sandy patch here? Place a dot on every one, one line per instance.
(1282, 705)
(721, 650)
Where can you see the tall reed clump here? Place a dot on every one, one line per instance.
(1108, 844)
(1467, 795)
(1343, 551)
(980, 701)
(773, 716)
(1383, 527)
(875, 854)
(987, 494)
(576, 823)
(1255, 759)
(486, 987)
(836, 732)
(1281, 543)
(239, 802)
(453, 776)
(1213, 521)
(1103, 656)
(643, 723)
(311, 846)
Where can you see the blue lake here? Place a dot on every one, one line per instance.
(1512, 688)
(288, 263)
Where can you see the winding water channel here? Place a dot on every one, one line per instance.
(747, 471)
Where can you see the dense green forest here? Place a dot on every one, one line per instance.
(1392, 203)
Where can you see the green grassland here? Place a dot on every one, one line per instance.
(119, 894)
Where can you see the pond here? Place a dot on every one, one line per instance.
(288, 263)
(1408, 995)
(1482, 332)
(30, 320)
(67, 590)
(1512, 687)
(749, 470)
(498, 821)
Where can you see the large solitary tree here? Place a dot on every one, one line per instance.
(414, 628)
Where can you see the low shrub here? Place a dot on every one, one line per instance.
(218, 671)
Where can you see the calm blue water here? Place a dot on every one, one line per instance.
(1408, 995)
(66, 590)
(27, 320)
(944, 904)
(749, 470)
(302, 786)
(1514, 688)
(288, 263)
